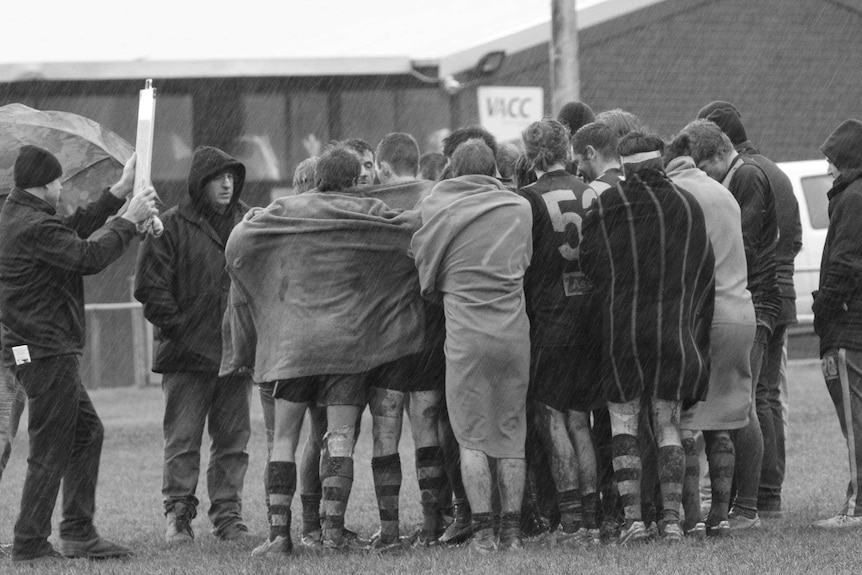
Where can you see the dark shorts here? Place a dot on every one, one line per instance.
(324, 390)
(418, 372)
(567, 378)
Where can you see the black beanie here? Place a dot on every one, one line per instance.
(575, 115)
(727, 117)
(36, 167)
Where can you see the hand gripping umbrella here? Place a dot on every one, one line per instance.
(91, 155)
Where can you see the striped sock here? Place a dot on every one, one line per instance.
(386, 471)
(588, 503)
(571, 510)
(627, 470)
(282, 486)
(310, 512)
(671, 471)
(722, 457)
(482, 521)
(432, 485)
(337, 482)
(691, 483)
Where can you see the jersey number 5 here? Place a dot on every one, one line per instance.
(563, 220)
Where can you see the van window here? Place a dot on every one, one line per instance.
(815, 188)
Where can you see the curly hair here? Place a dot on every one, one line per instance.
(546, 143)
(304, 176)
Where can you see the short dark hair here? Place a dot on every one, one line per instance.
(337, 170)
(638, 142)
(575, 115)
(598, 135)
(358, 145)
(431, 165)
(473, 157)
(546, 143)
(461, 135)
(401, 152)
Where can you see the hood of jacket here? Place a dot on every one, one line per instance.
(843, 148)
(207, 162)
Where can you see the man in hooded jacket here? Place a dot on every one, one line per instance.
(182, 282)
(838, 307)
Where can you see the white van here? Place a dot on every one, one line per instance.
(810, 184)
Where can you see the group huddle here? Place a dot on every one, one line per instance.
(569, 323)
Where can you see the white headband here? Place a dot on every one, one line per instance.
(641, 157)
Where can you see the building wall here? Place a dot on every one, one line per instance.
(793, 69)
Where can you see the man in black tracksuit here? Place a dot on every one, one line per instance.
(838, 307)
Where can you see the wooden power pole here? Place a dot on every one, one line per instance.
(565, 70)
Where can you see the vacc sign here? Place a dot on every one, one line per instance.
(505, 111)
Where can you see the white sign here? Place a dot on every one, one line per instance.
(505, 111)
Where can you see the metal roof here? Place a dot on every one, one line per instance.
(97, 39)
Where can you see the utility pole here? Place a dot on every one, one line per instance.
(565, 69)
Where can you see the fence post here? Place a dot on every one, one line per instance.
(95, 351)
(139, 348)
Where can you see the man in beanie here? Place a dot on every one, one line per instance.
(575, 115)
(767, 394)
(838, 307)
(182, 282)
(43, 259)
(713, 152)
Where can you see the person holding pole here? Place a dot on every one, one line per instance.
(43, 259)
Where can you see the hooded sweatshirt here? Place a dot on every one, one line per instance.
(838, 302)
(181, 277)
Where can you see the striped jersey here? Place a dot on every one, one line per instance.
(646, 249)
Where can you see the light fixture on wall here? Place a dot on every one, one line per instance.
(486, 66)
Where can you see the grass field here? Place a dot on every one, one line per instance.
(129, 509)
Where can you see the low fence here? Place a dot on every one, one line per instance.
(113, 329)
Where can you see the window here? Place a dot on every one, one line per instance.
(815, 188)
(262, 146)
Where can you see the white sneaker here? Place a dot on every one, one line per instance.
(840, 521)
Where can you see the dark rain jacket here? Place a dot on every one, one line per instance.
(789, 229)
(43, 259)
(838, 302)
(181, 277)
(749, 184)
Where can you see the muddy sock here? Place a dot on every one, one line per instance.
(337, 482)
(571, 510)
(722, 457)
(588, 503)
(310, 512)
(386, 471)
(282, 486)
(432, 485)
(691, 483)
(627, 471)
(671, 471)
